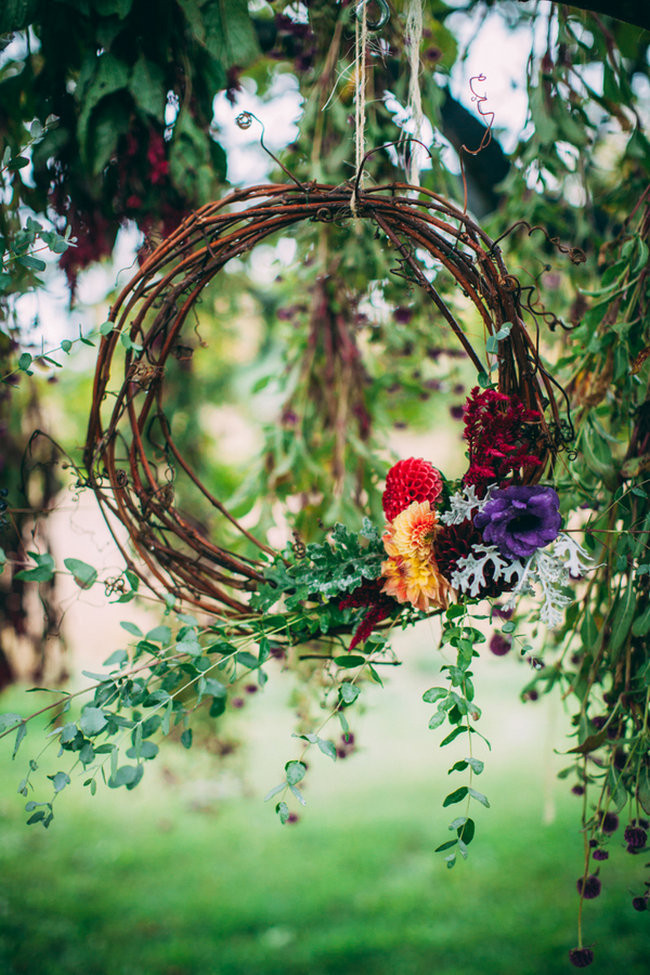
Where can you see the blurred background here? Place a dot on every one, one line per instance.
(192, 872)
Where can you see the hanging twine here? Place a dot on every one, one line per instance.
(413, 35)
(360, 47)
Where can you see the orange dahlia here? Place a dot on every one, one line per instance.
(410, 573)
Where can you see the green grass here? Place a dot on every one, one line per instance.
(143, 884)
(160, 882)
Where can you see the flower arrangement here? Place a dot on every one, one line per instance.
(488, 535)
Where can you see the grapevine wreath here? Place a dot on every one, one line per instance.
(483, 536)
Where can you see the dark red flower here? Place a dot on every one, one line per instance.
(379, 607)
(501, 433)
(157, 157)
(454, 542)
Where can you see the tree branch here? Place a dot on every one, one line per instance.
(635, 12)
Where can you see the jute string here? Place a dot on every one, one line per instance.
(360, 48)
(413, 35)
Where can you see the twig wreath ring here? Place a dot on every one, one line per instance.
(147, 322)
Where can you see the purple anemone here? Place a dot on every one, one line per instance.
(520, 519)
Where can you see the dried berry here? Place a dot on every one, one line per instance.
(589, 886)
(581, 957)
(499, 644)
(609, 823)
(636, 838)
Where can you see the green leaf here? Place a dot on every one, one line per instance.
(283, 812)
(446, 846)
(437, 719)
(479, 797)
(9, 720)
(20, 734)
(145, 749)
(109, 8)
(32, 263)
(147, 87)
(275, 790)
(56, 243)
(84, 575)
(452, 735)
(247, 660)
(434, 694)
(68, 733)
(194, 18)
(643, 789)
(457, 796)
(160, 634)
(229, 33)
(131, 628)
(25, 362)
(43, 572)
(348, 693)
(128, 342)
(295, 792)
(17, 14)
(466, 831)
(327, 747)
(18, 162)
(92, 720)
(295, 772)
(104, 75)
(186, 738)
(117, 658)
(350, 660)
(125, 775)
(60, 780)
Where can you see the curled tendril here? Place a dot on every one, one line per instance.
(117, 584)
(244, 121)
(490, 116)
(383, 15)
(576, 254)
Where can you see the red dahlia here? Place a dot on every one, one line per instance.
(410, 480)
